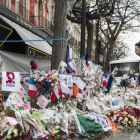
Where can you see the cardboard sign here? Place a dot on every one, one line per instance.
(11, 81)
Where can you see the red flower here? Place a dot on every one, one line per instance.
(88, 65)
(72, 135)
(74, 71)
(53, 137)
(84, 88)
(127, 109)
(38, 86)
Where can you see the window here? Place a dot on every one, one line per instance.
(4, 2)
(24, 8)
(20, 7)
(13, 5)
(124, 68)
(40, 13)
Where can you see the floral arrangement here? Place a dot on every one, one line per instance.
(125, 82)
(45, 84)
(123, 117)
(22, 125)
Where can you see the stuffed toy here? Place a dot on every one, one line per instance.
(33, 64)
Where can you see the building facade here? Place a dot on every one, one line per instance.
(40, 13)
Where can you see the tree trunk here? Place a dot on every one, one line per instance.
(90, 38)
(109, 55)
(59, 47)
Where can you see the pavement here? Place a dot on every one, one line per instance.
(123, 135)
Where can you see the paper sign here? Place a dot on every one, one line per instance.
(64, 87)
(69, 81)
(18, 99)
(11, 81)
(42, 101)
(63, 78)
(79, 82)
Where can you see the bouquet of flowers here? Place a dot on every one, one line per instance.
(123, 117)
(45, 84)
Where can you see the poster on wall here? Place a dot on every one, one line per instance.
(11, 81)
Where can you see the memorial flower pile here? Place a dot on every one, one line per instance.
(123, 118)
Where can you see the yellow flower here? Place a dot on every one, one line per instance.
(129, 122)
(134, 120)
(53, 76)
(132, 117)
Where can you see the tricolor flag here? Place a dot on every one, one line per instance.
(32, 88)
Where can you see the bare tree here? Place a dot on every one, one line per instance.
(120, 51)
(126, 13)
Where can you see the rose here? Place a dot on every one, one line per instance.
(63, 96)
(126, 119)
(120, 118)
(52, 85)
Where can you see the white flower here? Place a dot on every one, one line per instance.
(42, 78)
(126, 119)
(120, 118)
(50, 80)
(63, 96)
(52, 84)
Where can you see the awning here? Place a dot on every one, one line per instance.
(25, 34)
(21, 63)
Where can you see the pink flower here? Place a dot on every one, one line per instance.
(21, 89)
(25, 106)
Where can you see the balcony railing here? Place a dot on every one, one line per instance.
(40, 21)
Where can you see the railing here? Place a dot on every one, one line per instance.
(40, 21)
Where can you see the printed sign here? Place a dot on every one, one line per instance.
(11, 81)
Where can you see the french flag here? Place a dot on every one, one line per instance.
(32, 88)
